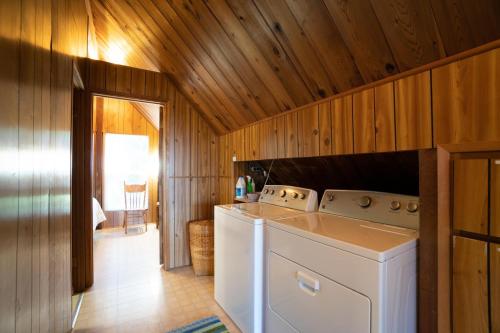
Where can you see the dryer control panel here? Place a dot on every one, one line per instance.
(290, 196)
(387, 208)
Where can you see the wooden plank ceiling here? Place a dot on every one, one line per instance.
(242, 60)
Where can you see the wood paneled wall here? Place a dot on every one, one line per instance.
(451, 103)
(38, 40)
(191, 176)
(120, 116)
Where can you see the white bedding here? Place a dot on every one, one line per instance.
(98, 214)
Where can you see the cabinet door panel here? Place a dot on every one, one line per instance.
(364, 121)
(238, 145)
(325, 129)
(291, 135)
(465, 99)
(309, 132)
(342, 130)
(280, 136)
(495, 287)
(495, 198)
(413, 112)
(252, 145)
(470, 195)
(470, 286)
(385, 138)
(267, 139)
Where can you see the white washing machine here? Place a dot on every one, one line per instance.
(349, 268)
(239, 250)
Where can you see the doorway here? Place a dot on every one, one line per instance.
(126, 151)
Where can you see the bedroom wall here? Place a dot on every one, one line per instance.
(38, 40)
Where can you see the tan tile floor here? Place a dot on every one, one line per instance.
(132, 293)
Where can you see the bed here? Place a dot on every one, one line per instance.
(98, 214)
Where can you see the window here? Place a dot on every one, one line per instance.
(126, 159)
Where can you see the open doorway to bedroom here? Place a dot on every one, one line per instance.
(126, 203)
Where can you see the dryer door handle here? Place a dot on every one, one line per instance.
(307, 283)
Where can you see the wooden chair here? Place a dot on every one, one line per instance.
(135, 203)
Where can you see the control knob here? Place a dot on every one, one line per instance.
(365, 201)
(412, 207)
(302, 196)
(295, 195)
(395, 205)
(331, 196)
(272, 192)
(282, 193)
(266, 191)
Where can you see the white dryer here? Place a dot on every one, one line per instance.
(239, 250)
(349, 268)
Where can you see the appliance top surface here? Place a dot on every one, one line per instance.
(348, 233)
(262, 210)
(375, 225)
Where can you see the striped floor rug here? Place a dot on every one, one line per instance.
(205, 325)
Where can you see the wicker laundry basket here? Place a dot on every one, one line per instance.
(201, 243)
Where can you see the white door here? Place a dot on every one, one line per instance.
(310, 302)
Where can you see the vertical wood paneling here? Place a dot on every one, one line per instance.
(385, 138)
(9, 173)
(413, 112)
(252, 144)
(97, 76)
(470, 286)
(470, 201)
(495, 287)
(325, 129)
(123, 79)
(342, 127)
(465, 99)
(203, 150)
(182, 138)
(237, 144)
(308, 132)
(138, 82)
(495, 198)
(182, 210)
(291, 130)
(267, 139)
(364, 121)
(214, 153)
(194, 144)
(110, 78)
(280, 136)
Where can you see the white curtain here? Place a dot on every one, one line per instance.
(126, 158)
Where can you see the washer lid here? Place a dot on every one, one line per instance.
(261, 210)
(368, 239)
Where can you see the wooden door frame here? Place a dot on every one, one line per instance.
(84, 255)
(446, 154)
